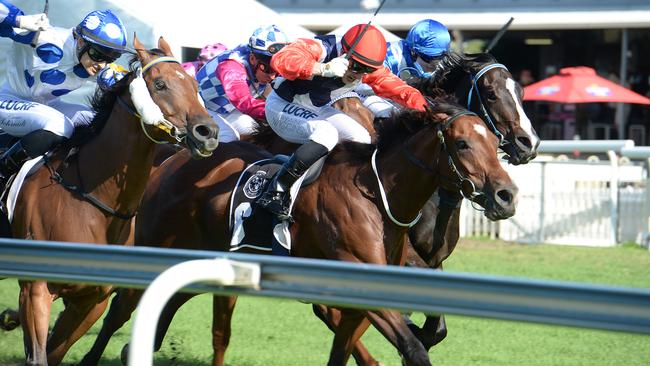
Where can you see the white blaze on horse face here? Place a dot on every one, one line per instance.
(524, 122)
(480, 129)
(180, 75)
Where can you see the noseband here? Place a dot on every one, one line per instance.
(486, 115)
(161, 123)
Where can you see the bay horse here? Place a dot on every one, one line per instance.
(92, 195)
(415, 153)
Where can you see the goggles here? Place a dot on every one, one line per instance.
(427, 58)
(275, 48)
(359, 68)
(99, 56)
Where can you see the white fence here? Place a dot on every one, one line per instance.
(576, 202)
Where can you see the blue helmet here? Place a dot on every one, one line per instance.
(104, 32)
(267, 40)
(428, 38)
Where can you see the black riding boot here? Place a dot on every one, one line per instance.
(11, 161)
(275, 198)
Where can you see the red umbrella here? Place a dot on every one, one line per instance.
(581, 85)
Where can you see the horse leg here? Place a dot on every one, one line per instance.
(351, 326)
(35, 307)
(122, 306)
(433, 331)
(222, 309)
(9, 319)
(393, 327)
(331, 317)
(74, 321)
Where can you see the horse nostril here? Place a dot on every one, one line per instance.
(524, 143)
(203, 131)
(506, 196)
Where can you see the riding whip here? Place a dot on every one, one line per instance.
(38, 33)
(363, 31)
(499, 34)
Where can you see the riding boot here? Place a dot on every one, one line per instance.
(11, 161)
(276, 197)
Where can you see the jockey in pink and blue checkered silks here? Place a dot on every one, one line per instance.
(234, 84)
(47, 63)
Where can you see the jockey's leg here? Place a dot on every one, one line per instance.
(33, 144)
(380, 107)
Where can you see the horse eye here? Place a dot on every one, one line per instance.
(461, 145)
(159, 84)
(492, 96)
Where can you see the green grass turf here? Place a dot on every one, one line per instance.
(284, 332)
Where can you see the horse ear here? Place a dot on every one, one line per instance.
(164, 46)
(143, 54)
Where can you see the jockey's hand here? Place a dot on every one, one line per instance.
(335, 68)
(33, 23)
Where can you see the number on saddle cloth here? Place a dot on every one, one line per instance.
(254, 227)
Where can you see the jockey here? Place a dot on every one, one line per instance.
(233, 85)
(417, 55)
(314, 73)
(57, 62)
(206, 54)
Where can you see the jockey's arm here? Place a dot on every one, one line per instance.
(8, 22)
(296, 60)
(235, 84)
(387, 85)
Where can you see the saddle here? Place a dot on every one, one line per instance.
(254, 227)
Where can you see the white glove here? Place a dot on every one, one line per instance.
(335, 68)
(33, 23)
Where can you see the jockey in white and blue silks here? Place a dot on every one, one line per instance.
(418, 55)
(232, 85)
(314, 73)
(47, 63)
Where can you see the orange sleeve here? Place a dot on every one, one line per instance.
(296, 60)
(387, 85)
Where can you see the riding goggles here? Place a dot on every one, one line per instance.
(359, 68)
(98, 55)
(426, 58)
(275, 48)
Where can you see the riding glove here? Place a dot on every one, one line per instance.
(335, 68)
(33, 23)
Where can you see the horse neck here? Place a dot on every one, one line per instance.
(408, 186)
(116, 164)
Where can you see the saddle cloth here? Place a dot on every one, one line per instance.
(28, 168)
(252, 226)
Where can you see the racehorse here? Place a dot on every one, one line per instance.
(91, 196)
(415, 153)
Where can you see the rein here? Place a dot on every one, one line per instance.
(164, 125)
(484, 111)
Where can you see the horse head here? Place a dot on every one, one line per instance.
(468, 161)
(497, 97)
(184, 118)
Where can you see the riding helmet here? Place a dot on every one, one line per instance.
(267, 40)
(370, 50)
(428, 37)
(103, 31)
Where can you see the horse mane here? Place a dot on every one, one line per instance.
(451, 67)
(396, 129)
(102, 102)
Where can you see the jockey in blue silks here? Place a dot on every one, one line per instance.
(417, 55)
(47, 63)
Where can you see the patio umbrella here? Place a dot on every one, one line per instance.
(581, 85)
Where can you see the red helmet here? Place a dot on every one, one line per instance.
(371, 48)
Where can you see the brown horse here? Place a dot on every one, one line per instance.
(91, 196)
(416, 153)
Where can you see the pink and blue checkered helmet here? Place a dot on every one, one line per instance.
(103, 31)
(267, 40)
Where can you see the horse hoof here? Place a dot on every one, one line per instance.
(124, 355)
(9, 320)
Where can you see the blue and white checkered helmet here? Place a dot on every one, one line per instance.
(104, 31)
(267, 40)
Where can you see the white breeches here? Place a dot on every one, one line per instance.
(325, 125)
(19, 116)
(233, 125)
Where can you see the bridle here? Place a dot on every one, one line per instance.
(484, 112)
(163, 123)
(466, 187)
